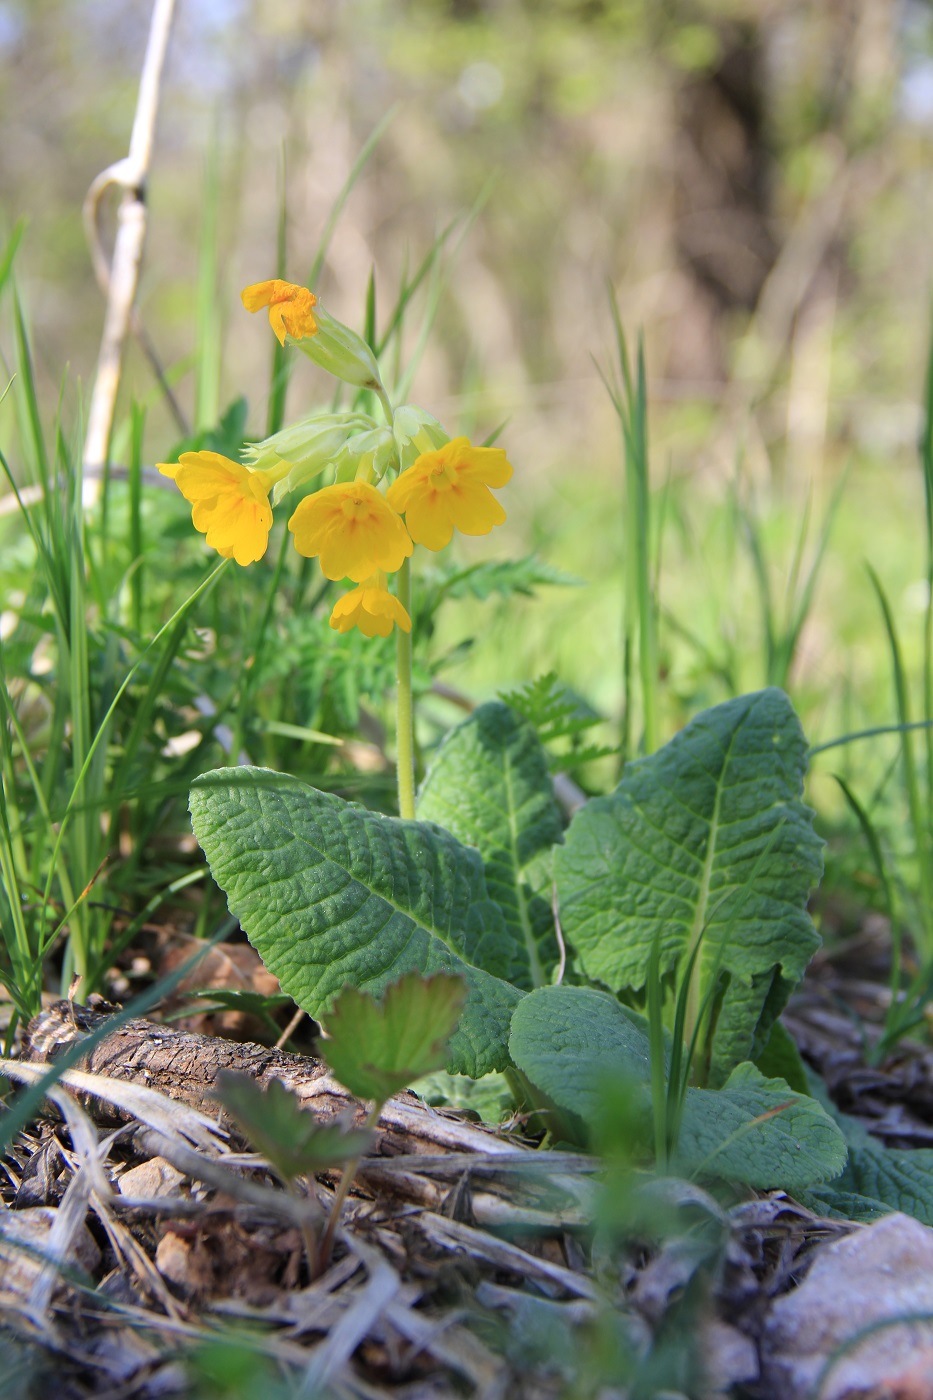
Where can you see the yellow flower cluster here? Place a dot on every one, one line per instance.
(355, 530)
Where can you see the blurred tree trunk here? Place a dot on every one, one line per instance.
(838, 63)
(724, 228)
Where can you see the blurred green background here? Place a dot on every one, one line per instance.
(751, 179)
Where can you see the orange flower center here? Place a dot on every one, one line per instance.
(354, 508)
(444, 475)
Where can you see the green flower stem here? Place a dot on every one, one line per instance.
(386, 402)
(325, 1248)
(405, 721)
(404, 708)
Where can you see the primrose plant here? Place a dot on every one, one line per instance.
(393, 485)
(681, 894)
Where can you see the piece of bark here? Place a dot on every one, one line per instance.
(185, 1067)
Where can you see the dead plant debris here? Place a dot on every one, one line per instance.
(137, 1232)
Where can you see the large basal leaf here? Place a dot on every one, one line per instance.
(331, 894)
(489, 785)
(569, 1040)
(882, 1178)
(572, 1041)
(760, 1132)
(707, 839)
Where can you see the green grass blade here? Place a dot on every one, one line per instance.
(208, 329)
(28, 398)
(872, 733)
(20, 1113)
(280, 368)
(659, 1091)
(74, 645)
(25, 982)
(369, 320)
(356, 170)
(759, 564)
(137, 578)
(103, 727)
(926, 464)
(920, 830)
(881, 869)
(410, 285)
(630, 401)
(801, 602)
(9, 253)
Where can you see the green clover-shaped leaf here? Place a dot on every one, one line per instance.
(377, 1048)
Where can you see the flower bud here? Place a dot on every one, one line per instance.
(367, 456)
(416, 432)
(305, 448)
(341, 352)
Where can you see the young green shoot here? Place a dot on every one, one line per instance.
(294, 1141)
(378, 1048)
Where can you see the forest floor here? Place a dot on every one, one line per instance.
(147, 1252)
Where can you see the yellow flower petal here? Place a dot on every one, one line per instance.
(290, 307)
(449, 489)
(371, 608)
(230, 504)
(352, 529)
(489, 465)
(475, 510)
(429, 524)
(257, 296)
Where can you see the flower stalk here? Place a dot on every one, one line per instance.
(404, 704)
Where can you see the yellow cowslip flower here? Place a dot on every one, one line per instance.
(353, 529)
(371, 608)
(230, 502)
(449, 489)
(290, 307)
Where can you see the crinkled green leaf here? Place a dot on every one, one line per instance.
(706, 839)
(900, 1178)
(377, 1048)
(239, 999)
(758, 1131)
(489, 1099)
(570, 1041)
(780, 1059)
(489, 785)
(330, 894)
(842, 1205)
(893, 1178)
(289, 1135)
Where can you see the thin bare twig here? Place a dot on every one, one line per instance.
(119, 283)
(290, 1029)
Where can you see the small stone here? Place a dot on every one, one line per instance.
(151, 1180)
(184, 1262)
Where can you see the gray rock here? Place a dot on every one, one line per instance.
(859, 1284)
